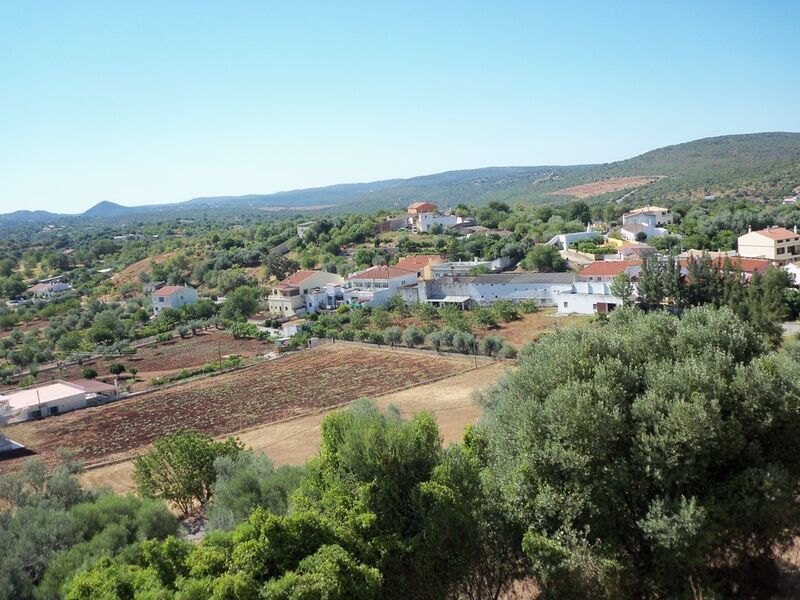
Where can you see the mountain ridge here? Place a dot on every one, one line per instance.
(742, 164)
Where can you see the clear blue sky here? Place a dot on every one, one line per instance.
(144, 102)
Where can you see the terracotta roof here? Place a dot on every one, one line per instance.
(606, 268)
(777, 233)
(746, 265)
(167, 290)
(40, 287)
(417, 263)
(381, 272)
(297, 278)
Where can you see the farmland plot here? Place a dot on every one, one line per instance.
(300, 384)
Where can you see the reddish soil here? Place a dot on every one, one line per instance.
(163, 359)
(596, 188)
(130, 274)
(299, 384)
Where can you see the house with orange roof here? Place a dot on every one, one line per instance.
(606, 270)
(780, 245)
(420, 264)
(172, 296)
(305, 291)
(374, 286)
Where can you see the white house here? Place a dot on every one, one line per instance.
(563, 241)
(424, 215)
(654, 216)
(305, 291)
(632, 231)
(463, 268)
(374, 286)
(775, 243)
(173, 296)
(53, 398)
(48, 290)
(587, 298)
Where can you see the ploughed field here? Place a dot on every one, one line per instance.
(299, 384)
(156, 360)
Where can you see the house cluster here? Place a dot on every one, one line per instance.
(423, 216)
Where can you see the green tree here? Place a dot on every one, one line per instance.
(116, 368)
(392, 335)
(637, 456)
(545, 259)
(622, 288)
(435, 339)
(413, 336)
(180, 468)
(240, 304)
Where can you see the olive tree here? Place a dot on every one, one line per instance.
(646, 457)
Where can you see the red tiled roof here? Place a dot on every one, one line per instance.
(746, 265)
(777, 233)
(427, 206)
(606, 268)
(167, 290)
(92, 386)
(40, 287)
(381, 272)
(297, 278)
(416, 263)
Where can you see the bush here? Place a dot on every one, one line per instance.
(88, 373)
(413, 336)
(463, 342)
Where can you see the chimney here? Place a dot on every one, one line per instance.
(795, 228)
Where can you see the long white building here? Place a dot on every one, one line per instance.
(546, 289)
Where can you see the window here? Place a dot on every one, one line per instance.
(566, 304)
(781, 250)
(161, 298)
(53, 410)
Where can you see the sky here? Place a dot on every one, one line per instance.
(153, 102)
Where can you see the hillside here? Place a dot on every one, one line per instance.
(753, 166)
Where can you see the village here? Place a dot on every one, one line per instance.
(291, 308)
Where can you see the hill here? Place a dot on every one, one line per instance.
(751, 166)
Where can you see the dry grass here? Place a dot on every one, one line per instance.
(531, 327)
(596, 188)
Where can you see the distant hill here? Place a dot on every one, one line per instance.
(106, 209)
(759, 165)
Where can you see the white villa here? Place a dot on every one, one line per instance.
(374, 286)
(173, 296)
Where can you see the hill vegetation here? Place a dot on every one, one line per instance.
(752, 166)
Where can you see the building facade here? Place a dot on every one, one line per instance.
(777, 244)
(305, 292)
(173, 296)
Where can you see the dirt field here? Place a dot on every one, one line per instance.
(530, 327)
(194, 351)
(270, 391)
(295, 441)
(595, 188)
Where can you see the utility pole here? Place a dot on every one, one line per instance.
(475, 348)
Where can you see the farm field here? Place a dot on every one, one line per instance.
(596, 188)
(303, 383)
(294, 441)
(166, 358)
